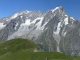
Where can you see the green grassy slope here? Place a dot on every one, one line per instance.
(15, 45)
(22, 49)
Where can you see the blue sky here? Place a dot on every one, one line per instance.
(8, 7)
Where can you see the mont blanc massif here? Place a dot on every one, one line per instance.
(52, 31)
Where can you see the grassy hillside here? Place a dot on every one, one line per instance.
(16, 45)
(22, 49)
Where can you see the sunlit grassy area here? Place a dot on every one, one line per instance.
(23, 49)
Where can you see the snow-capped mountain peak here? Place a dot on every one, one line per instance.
(54, 30)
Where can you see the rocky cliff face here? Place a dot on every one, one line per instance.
(51, 31)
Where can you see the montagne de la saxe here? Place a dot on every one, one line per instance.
(53, 31)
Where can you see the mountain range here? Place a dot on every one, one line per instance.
(52, 31)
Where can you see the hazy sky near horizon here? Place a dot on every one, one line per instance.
(9, 7)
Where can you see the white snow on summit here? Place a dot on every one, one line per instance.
(55, 9)
(28, 11)
(72, 18)
(66, 15)
(14, 16)
(19, 13)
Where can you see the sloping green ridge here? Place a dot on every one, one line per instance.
(16, 45)
(23, 49)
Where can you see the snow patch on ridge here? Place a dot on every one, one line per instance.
(66, 21)
(16, 26)
(35, 20)
(58, 29)
(64, 33)
(55, 9)
(39, 23)
(66, 15)
(24, 26)
(27, 22)
(72, 18)
(14, 16)
(21, 16)
(42, 28)
(2, 26)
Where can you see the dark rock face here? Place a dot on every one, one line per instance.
(51, 31)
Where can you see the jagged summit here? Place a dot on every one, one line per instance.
(36, 11)
(57, 8)
(61, 7)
